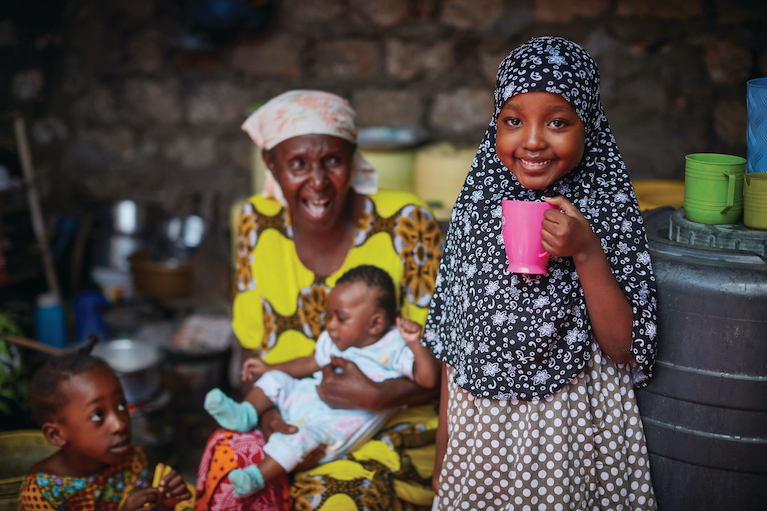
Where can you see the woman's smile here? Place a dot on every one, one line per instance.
(314, 173)
(316, 208)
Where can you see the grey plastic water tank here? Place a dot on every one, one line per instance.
(705, 412)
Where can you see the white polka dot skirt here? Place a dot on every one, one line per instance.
(582, 448)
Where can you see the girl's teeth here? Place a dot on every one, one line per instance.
(535, 163)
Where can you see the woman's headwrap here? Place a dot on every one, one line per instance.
(308, 112)
(525, 336)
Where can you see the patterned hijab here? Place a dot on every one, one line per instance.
(308, 112)
(525, 336)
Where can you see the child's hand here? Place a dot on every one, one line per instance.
(173, 490)
(253, 368)
(566, 232)
(143, 500)
(410, 330)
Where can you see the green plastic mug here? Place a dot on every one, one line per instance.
(755, 200)
(713, 188)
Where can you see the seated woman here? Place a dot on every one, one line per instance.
(321, 214)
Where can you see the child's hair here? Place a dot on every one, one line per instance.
(45, 388)
(375, 277)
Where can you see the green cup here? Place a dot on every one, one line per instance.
(755, 200)
(713, 188)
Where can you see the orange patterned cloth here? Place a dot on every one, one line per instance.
(225, 451)
(105, 491)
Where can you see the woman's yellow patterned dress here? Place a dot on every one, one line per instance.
(278, 311)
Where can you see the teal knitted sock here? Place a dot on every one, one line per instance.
(246, 481)
(230, 414)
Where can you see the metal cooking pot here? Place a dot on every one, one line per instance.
(138, 366)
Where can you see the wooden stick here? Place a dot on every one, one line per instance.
(34, 206)
(35, 345)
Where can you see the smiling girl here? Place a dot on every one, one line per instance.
(538, 409)
(80, 404)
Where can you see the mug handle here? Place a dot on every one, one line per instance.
(730, 192)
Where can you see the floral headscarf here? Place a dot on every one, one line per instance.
(308, 112)
(525, 336)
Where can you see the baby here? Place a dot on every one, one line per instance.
(80, 404)
(358, 321)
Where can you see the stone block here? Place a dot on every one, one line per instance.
(763, 63)
(7, 34)
(661, 9)
(28, 84)
(406, 60)
(464, 111)
(241, 153)
(381, 13)
(565, 11)
(97, 104)
(146, 51)
(49, 129)
(191, 152)
(516, 17)
(98, 150)
(730, 122)
(155, 100)
(276, 56)
(139, 10)
(347, 59)
(727, 63)
(301, 12)
(471, 15)
(645, 93)
(217, 103)
(490, 59)
(377, 107)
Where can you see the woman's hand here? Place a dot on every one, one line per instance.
(348, 388)
(566, 232)
(271, 422)
(172, 490)
(143, 500)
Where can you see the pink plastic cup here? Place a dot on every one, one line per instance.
(521, 227)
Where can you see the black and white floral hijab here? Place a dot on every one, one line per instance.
(520, 336)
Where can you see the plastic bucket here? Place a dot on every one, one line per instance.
(705, 411)
(713, 188)
(755, 201)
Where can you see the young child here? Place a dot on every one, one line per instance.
(358, 322)
(80, 404)
(537, 407)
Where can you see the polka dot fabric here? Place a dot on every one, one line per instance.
(582, 448)
(513, 336)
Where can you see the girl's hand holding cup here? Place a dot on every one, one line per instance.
(566, 232)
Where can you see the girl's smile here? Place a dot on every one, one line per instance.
(539, 138)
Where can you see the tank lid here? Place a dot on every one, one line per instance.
(730, 236)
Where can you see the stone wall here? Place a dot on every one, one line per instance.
(122, 106)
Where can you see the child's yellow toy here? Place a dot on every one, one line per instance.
(160, 471)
